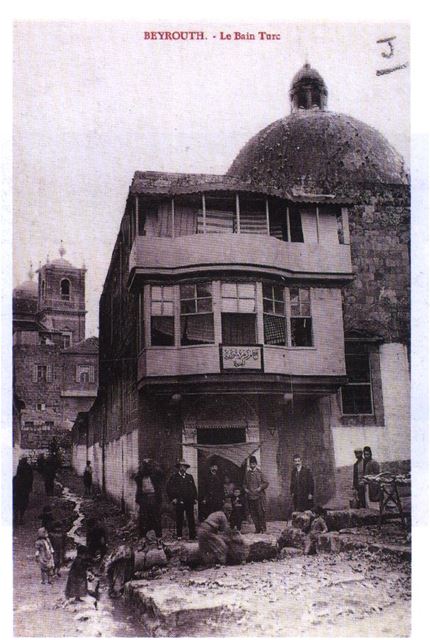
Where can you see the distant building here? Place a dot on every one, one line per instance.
(55, 367)
(265, 310)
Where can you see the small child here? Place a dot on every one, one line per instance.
(318, 526)
(237, 515)
(45, 555)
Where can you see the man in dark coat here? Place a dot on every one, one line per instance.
(22, 487)
(49, 473)
(181, 491)
(357, 478)
(302, 486)
(213, 491)
(96, 538)
(254, 486)
(149, 497)
(371, 468)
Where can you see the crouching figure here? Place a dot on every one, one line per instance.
(218, 543)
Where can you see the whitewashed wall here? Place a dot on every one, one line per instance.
(121, 460)
(392, 441)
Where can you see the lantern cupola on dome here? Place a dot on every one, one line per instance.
(308, 90)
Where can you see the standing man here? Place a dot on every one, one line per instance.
(255, 486)
(371, 468)
(213, 491)
(149, 497)
(88, 478)
(357, 479)
(302, 486)
(181, 491)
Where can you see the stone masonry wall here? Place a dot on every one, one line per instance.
(377, 302)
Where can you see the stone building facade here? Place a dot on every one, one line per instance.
(263, 311)
(55, 367)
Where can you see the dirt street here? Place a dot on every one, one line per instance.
(41, 609)
(351, 593)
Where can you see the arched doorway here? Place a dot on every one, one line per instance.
(221, 428)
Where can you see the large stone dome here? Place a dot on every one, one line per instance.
(317, 150)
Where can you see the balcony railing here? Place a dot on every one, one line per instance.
(238, 252)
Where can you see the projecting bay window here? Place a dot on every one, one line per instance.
(300, 317)
(197, 320)
(274, 315)
(238, 313)
(162, 317)
(357, 394)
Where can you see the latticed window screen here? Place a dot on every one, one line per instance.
(274, 315)
(197, 322)
(300, 317)
(357, 394)
(162, 316)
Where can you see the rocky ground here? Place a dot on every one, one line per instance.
(363, 592)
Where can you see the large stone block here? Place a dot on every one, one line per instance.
(338, 519)
(302, 520)
(261, 549)
(291, 537)
(329, 542)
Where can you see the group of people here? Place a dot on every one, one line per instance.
(216, 495)
(51, 548)
(235, 500)
(365, 465)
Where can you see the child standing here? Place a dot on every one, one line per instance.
(45, 555)
(237, 515)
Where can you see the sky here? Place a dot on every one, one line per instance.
(95, 101)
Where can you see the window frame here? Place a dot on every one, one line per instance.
(273, 313)
(292, 316)
(237, 311)
(195, 298)
(357, 384)
(65, 296)
(162, 301)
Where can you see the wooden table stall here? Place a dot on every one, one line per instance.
(388, 485)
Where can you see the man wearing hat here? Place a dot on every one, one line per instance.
(181, 491)
(212, 491)
(357, 478)
(255, 486)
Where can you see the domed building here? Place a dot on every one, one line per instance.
(265, 311)
(55, 367)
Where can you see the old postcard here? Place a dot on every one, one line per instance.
(211, 329)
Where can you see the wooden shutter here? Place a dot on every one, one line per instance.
(77, 376)
(91, 373)
(34, 373)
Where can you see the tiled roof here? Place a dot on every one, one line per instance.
(90, 345)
